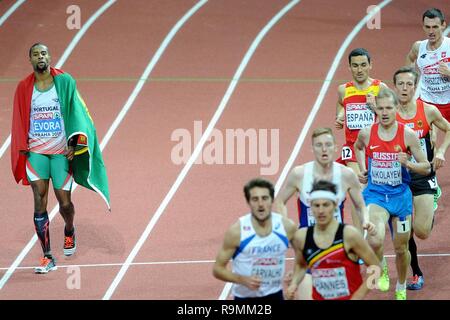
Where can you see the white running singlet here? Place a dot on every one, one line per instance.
(306, 217)
(434, 87)
(261, 256)
(47, 134)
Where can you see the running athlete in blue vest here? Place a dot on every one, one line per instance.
(387, 145)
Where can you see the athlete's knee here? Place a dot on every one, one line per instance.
(401, 249)
(422, 232)
(40, 198)
(67, 208)
(375, 242)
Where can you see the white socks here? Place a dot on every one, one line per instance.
(400, 287)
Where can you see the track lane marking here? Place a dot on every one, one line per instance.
(196, 152)
(309, 121)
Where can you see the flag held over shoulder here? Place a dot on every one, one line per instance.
(88, 167)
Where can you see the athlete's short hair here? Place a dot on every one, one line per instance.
(322, 130)
(324, 185)
(433, 13)
(388, 93)
(358, 52)
(407, 69)
(36, 45)
(260, 183)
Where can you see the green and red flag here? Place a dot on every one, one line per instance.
(87, 165)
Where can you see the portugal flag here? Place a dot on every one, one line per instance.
(87, 165)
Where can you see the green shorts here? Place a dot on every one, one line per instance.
(46, 166)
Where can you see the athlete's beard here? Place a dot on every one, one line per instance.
(40, 69)
(262, 220)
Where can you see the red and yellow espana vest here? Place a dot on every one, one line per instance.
(357, 114)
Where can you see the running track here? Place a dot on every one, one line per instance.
(191, 79)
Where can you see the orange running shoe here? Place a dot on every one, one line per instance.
(47, 264)
(70, 244)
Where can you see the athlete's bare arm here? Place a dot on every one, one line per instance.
(435, 117)
(354, 190)
(360, 152)
(290, 227)
(294, 179)
(422, 166)
(230, 244)
(300, 265)
(355, 243)
(370, 97)
(339, 122)
(411, 57)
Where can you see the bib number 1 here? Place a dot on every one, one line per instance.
(403, 226)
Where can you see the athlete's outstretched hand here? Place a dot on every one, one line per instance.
(70, 152)
(370, 227)
(339, 123)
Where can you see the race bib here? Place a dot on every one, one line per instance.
(358, 116)
(331, 283)
(403, 226)
(386, 172)
(270, 270)
(47, 127)
(433, 183)
(346, 153)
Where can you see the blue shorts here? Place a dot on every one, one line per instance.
(398, 205)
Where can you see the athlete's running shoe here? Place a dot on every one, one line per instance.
(47, 264)
(416, 283)
(400, 294)
(383, 281)
(70, 244)
(437, 195)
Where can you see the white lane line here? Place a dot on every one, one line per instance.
(197, 149)
(10, 11)
(67, 53)
(188, 262)
(69, 49)
(315, 109)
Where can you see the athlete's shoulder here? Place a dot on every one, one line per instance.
(342, 86)
(429, 109)
(300, 237)
(409, 133)
(351, 233)
(61, 75)
(381, 84)
(346, 171)
(233, 233)
(289, 226)
(299, 171)
(416, 45)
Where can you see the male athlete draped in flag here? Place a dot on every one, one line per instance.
(53, 136)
